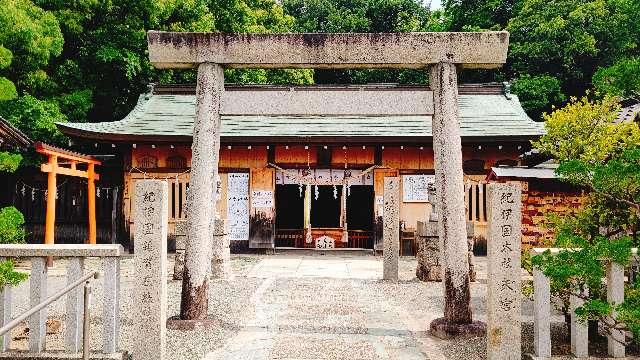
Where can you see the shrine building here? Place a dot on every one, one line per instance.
(303, 167)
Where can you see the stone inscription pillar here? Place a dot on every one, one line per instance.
(150, 260)
(200, 199)
(450, 207)
(504, 285)
(391, 228)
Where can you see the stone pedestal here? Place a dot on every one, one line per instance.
(391, 228)
(181, 241)
(150, 260)
(504, 288)
(428, 251)
(221, 260)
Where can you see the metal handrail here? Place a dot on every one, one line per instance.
(85, 338)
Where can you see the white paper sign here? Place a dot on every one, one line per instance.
(325, 242)
(415, 187)
(261, 199)
(238, 206)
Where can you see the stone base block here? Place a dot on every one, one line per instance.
(442, 329)
(175, 323)
(433, 273)
(178, 267)
(54, 355)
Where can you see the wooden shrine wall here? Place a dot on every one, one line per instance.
(167, 162)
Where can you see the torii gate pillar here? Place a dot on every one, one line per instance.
(442, 53)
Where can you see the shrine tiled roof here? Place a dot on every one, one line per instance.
(167, 114)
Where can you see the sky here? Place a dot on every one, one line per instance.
(436, 4)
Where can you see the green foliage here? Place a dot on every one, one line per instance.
(475, 15)
(11, 226)
(7, 89)
(9, 276)
(603, 157)
(364, 16)
(569, 39)
(538, 94)
(9, 162)
(586, 130)
(621, 79)
(34, 117)
(30, 38)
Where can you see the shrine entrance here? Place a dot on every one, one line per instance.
(324, 216)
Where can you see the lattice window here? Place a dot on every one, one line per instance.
(176, 162)
(147, 162)
(476, 198)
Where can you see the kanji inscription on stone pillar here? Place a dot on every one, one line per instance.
(391, 228)
(150, 259)
(504, 285)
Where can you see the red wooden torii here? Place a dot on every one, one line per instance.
(53, 167)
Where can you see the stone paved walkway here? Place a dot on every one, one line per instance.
(330, 307)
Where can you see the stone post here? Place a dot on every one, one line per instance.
(615, 296)
(75, 308)
(200, 200)
(111, 304)
(221, 260)
(5, 314)
(541, 314)
(150, 259)
(391, 228)
(579, 330)
(450, 207)
(38, 293)
(504, 297)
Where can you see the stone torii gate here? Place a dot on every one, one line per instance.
(441, 53)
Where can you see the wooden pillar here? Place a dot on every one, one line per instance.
(49, 232)
(91, 197)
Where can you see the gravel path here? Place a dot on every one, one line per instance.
(301, 307)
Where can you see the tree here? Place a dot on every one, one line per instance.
(621, 79)
(363, 16)
(587, 131)
(11, 226)
(475, 15)
(569, 39)
(538, 94)
(602, 156)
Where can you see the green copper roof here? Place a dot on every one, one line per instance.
(169, 117)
